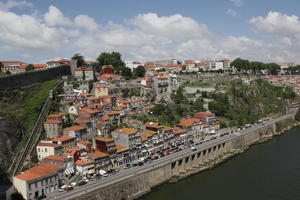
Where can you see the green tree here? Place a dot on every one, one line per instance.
(79, 58)
(16, 196)
(113, 58)
(29, 67)
(1, 66)
(140, 71)
(241, 64)
(158, 109)
(7, 72)
(126, 72)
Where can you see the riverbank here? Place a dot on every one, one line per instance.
(281, 128)
(266, 171)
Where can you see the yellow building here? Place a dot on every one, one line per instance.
(100, 90)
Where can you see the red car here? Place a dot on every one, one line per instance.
(69, 188)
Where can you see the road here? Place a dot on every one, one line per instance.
(125, 174)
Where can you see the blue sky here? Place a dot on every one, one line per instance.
(143, 30)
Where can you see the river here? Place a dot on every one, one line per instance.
(268, 171)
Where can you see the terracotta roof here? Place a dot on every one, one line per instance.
(126, 131)
(83, 142)
(82, 162)
(121, 148)
(62, 138)
(75, 128)
(205, 113)
(9, 61)
(91, 111)
(167, 128)
(178, 131)
(42, 170)
(104, 139)
(57, 115)
(152, 124)
(49, 121)
(73, 150)
(107, 96)
(104, 118)
(46, 144)
(188, 122)
(97, 154)
(55, 157)
(112, 113)
(148, 133)
(118, 108)
(83, 121)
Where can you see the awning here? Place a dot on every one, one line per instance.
(69, 171)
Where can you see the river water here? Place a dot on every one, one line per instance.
(268, 171)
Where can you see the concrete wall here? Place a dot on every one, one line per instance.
(142, 182)
(31, 77)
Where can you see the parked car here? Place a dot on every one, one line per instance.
(82, 183)
(73, 184)
(61, 190)
(127, 166)
(103, 173)
(69, 188)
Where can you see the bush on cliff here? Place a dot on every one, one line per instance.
(297, 117)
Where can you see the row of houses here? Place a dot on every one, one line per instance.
(15, 67)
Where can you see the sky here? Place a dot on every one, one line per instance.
(35, 31)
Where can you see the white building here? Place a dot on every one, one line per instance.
(39, 181)
(47, 148)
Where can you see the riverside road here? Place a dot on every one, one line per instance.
(131, 172)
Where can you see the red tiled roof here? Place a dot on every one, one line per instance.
(82, 162)
(126, 131)
(42, 170)
(55, 157)
(49, 121)
(62, 138)
(74, 128)
(97, 154)
(152, 124)
(121, 148)
(104, 139)
(46, 144)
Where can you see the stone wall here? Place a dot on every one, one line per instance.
(31, 77)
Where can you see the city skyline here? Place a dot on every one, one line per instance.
(36, 31)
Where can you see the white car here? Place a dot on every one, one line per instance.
(61, 190)
(73, 184)
(63, 187)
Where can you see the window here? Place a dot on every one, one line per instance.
(39, 149)
(45, 150)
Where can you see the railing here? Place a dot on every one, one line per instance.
(34, 136)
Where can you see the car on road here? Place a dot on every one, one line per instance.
(73, 184)
(82, 183)
(69, 188)
(61, 190)
(193, 148)
(103, 173)
(127, 166)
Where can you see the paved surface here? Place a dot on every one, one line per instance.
(125, 174)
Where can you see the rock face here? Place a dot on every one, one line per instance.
(10, 136)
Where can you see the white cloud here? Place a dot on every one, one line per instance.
(14, 4)
(237, 3)
(26, 32)
(146, 37)
(55, 17)
(278, 24)
(86, 22)
(174, 26)
(231, 12)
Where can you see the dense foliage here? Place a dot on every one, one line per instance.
(244, 103)
(80, 59)
(254, 67)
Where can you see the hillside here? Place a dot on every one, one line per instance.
(20, 108)
(243, 103)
